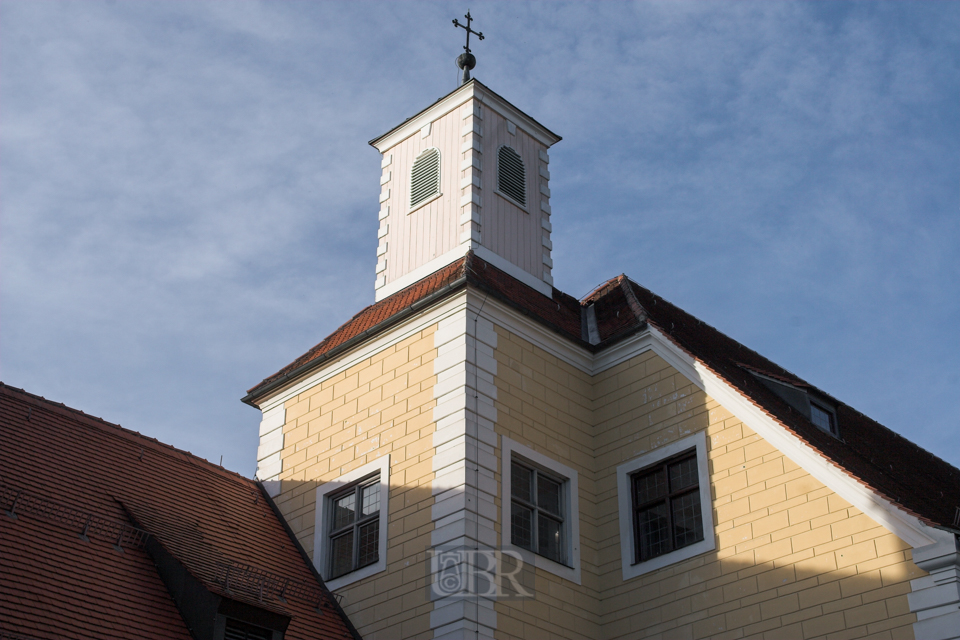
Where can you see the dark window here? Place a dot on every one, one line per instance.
(823, 418)
(236, 630)
(355, 529)
(536, 516)
(666, 507)
(511, 176)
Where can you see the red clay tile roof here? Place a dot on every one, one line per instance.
(562, 313)
(55, 585)
(370, 320)
(892, 466)
(903, 473)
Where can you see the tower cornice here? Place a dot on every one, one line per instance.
(473, 89)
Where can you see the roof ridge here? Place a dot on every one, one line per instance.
(713, 328)
(631, 297)
(600, 290)
(117, 430)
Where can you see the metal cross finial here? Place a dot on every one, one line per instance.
(468, 30)
(467, 60)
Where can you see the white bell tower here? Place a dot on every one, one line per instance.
(470, 172)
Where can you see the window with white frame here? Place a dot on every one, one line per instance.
(537, 510)
(665, 510)
(541, 513)
(355, 527)
(350, 541)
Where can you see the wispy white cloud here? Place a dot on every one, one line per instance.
(188, 200)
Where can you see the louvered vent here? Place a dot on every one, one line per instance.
(236, 630)
(511, 176)
(425, 177)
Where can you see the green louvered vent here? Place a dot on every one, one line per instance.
(425, 177)
(511, 176)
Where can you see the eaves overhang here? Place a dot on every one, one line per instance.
(451, 101)
(261, 392)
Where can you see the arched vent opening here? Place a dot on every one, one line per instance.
(511, 176)
(425, 177)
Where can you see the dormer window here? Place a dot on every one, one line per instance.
(801, 397)
(425, 178)
(511, 176)
(823, 418)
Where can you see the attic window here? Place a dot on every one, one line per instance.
(425, 177)
(511, 175)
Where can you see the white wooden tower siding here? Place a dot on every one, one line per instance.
(423, 228)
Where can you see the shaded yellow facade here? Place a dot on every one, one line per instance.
(380, 406)
(792, 560)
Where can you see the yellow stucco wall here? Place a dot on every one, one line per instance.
(545, 404)
(793, 559)
(382, 405)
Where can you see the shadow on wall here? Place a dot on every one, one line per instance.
(792, 558)
(726, 597)
(767, 591)
(392, 603)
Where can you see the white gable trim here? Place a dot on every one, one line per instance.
(910, 529)
(905, 526)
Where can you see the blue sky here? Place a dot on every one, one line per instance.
(188, 201)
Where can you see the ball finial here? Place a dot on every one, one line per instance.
(467, 60)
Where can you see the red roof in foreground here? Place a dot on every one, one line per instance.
(69, 472)
(890, 465)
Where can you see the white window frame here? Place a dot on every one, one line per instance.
(571, 503)
(324, 514)
(627, 540)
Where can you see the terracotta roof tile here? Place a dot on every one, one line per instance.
(561, 312)
(53, 584)
(377, 315)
